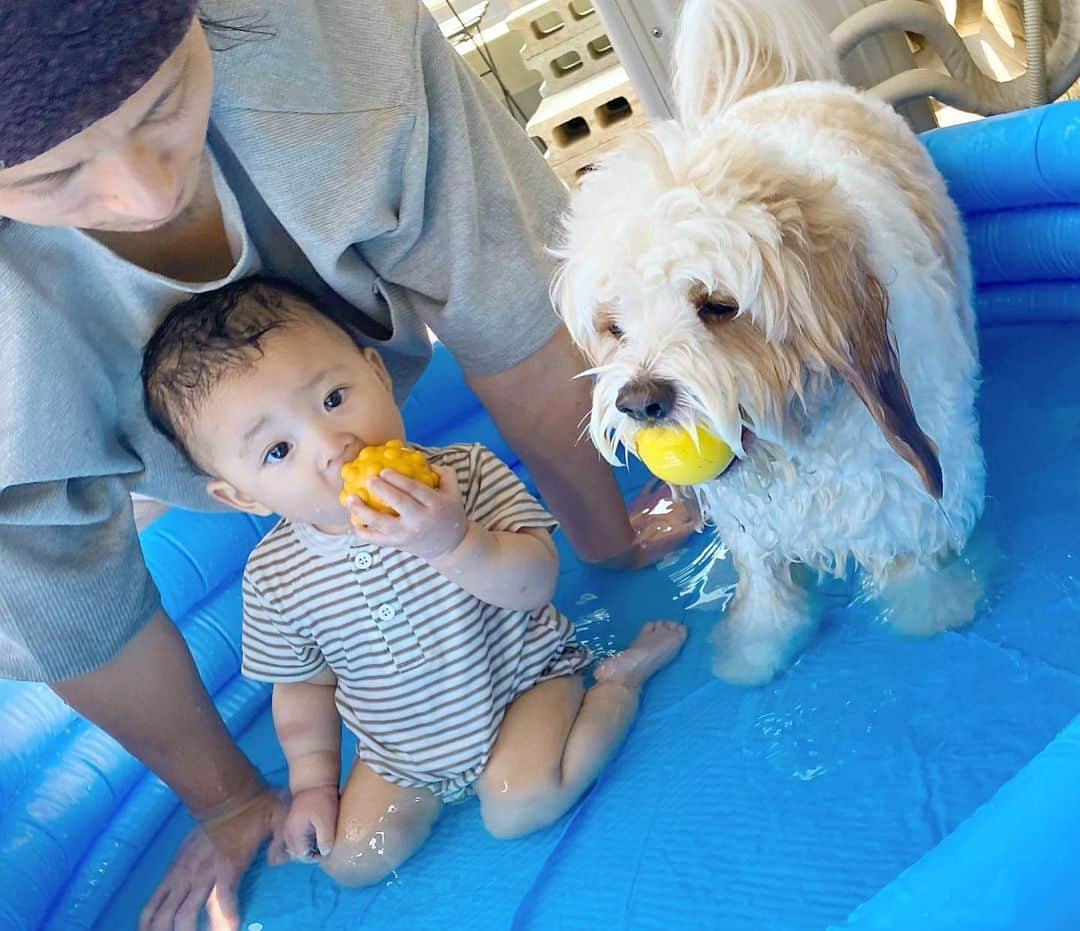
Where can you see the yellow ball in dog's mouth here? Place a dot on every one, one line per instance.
(670, 453)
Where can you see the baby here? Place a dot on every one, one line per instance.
(429, 633)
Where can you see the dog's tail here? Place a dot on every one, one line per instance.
(728, 49)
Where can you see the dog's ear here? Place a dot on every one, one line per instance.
(859, 347)
(824, 301)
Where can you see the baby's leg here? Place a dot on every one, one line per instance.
(380, 825)
(553, 742)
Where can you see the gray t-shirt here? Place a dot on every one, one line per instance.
(357, 150)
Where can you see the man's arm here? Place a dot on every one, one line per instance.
(150, 698)
(468, 255)
(539, 406)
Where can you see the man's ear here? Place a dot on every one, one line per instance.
(224, 492)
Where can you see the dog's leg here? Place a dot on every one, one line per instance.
(766, 623)
(922, 600)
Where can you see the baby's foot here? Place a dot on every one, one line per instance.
(656, 645)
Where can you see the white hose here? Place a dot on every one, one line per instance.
(1036, 52)
(923, 82)
(966, 86)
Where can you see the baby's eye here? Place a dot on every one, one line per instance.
(615, 330)
(277, 452)
(334, 399)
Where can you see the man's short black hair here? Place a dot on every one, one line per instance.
(207, 337)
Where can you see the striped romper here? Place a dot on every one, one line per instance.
(425, 670)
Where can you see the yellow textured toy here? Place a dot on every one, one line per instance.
(373, 459)
(669, 453)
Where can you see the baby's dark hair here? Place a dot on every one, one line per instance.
(207, 337)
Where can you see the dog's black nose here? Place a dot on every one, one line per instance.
(646, 399)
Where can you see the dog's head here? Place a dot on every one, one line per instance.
(707, 280)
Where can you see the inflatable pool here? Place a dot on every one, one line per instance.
(882, 783)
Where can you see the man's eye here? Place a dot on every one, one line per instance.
(48, 184)
(334, 399)
(615, 330)
(166, 109)
(277, 452)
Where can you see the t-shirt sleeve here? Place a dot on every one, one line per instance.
(73, 585)
(478, 208)
(274, 650)
(497, 499)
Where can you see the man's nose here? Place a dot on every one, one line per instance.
(139, 183)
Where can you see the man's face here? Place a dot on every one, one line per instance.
(134, 170)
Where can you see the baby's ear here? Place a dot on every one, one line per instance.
(375, 360)
(227, 494)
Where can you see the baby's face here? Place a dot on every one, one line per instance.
(278, 432)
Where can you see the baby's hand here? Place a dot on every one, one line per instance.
(430, 522)
(311, 823)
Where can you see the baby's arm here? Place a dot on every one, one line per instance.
(515, 570)
(308, 727)
(508, 569)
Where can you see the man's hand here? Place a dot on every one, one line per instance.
(311, 823)
(150, 698)
(662, 523)
(208, 867)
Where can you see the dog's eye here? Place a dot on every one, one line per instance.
(717, 310)
(615, 330)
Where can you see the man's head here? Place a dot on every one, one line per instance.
(109, 136)
(269, 396)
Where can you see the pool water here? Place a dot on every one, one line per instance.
(780, 807)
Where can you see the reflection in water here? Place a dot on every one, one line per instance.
(594, 630)
(703, 574)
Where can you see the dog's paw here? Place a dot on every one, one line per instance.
(744, 660)
(928, 601)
